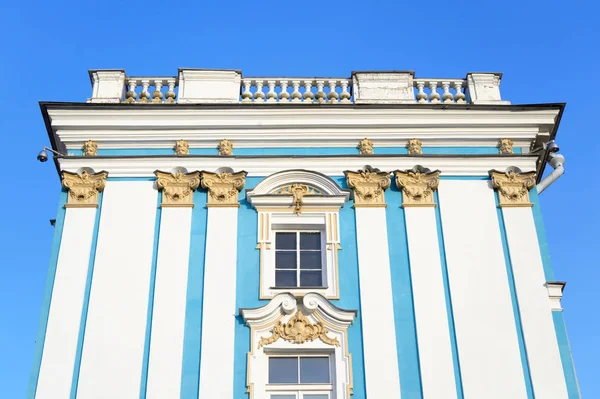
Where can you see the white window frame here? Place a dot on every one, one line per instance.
(322, 251)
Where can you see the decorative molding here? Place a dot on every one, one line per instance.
(555, 293)
(223, 187)
(369, 186)
(298, 191)
(83, 188)
(225, 147)
(414, 147)
(418, 185)
(182, 147)
(365, 146)
(513, 187)
(299, 330)
(505, 146)
(177, 188)
(90, 148)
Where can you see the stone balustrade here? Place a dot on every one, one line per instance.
(196, 86)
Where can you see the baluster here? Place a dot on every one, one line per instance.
(296, 95)
(157, 94)
(259, 96)
(421, 95)
(308, 95)
(271, 95)
(459, 96)
(333, 96)
(247, 94)
(144, 95)
(434, 96)
(170, 95)
(131, 94)
(284, 96)
(345, 96)
(447, 96)
(321, 96)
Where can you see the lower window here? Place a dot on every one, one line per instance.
(300, 377)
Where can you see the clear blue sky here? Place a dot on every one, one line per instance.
(547, 50)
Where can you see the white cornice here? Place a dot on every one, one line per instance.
(330, 166)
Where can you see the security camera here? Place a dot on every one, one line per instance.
(551, 146)
(42, 156)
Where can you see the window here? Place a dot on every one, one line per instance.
(298, 259)
(299, 377)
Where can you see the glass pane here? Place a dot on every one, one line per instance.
(310, 260)
(290, 396)
(310, 279)
(283, 370)
(310, 240)
(285, 240)
(314, 370)
(315, 396)
(285, 259)
(285, 278)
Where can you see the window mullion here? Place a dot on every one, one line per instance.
(298, 263)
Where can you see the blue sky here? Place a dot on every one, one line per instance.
(547, 50)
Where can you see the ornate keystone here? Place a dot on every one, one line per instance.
(299, 330)
(417, 185)
(83, 188)
(178, 188)
(369, 186)
(365, 147)
(182, 147)
(90, 148)
(513, 187)
(225, 147)
(298, 191)
(505, 146)
(414, 147)
(223, 188)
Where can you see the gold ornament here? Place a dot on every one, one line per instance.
(365, 147)
(83, 188)
(368, 186)
(505, 146)
(513, 187)
(90, 148)
(225, 147)
(223, 187)
(177, 188)
(299, 330)
(298, 191)
(414, 147)
(182, 147)
(417, 186)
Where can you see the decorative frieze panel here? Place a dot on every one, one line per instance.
(178, 188)
(182, 147)
(90, 148)
(369, 186)
(365, 147)
(513, 187)
(225, 147)
(299, 330)
(417, 185)
(505, 146)
(83, 188)
(414, 147)
(223, 188)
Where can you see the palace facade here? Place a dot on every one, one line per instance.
(225, 237)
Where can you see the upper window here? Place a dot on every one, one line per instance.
(298, 259)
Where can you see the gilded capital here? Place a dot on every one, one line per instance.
(83, 188)
(177, 188)
(90, 148)
(417, 185)
(223, 188)
(225, 147)
(513, 187)
(505, 146)
(414, 147)
(182, 147)
(365, 147)
(369, 186)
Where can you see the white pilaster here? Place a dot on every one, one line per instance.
(536, 314)
(62, 332)
(111, 363)
(376, 303)
(486, 333)
(168, 317)
(219, 310)
(433, 334)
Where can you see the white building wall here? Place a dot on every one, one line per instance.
(62, 333)
(486, 333)
(433, 333)
(111, 364)
(168, 316)
(545, 365)
(376, 303)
